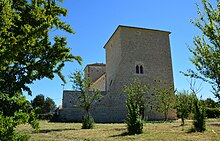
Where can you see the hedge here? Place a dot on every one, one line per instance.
(213, 112)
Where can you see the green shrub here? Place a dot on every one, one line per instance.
(135, 105)
(199, 117)
(7, 133)
(135, 125)
(213, 112)
(133, 120)
(7, 125)
(88, 122)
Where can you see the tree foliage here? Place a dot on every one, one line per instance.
(26, 52)
(163, 99)
(184, 105)
(206, 50)
(135, 103)
(45, 105)
(210, 103)
(21, 116)
(38, 102)
(49, 105)
(87, 97)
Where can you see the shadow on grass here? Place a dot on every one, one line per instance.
(193, 130)
(122, 134)
(215, 124)
(159, 121)
(55, 130)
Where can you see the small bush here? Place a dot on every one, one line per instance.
(213, 112)
(88, 122)
(135, 126)
(133, 120)
(7, 133)
(199, 117)
(135, 106)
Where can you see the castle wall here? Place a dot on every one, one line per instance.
(70, 99)
(103, 111)
(127, 48)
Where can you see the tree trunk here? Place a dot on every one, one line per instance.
(165, 115)
(183, 122)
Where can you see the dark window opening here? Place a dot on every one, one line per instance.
(110, 83)
(141, 70)
(137, 69)
(70, 101)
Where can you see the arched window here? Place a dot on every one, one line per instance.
(141, 69)
(137, 69)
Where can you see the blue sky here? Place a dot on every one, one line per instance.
(94, 21)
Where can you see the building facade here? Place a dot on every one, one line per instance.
(131, 53)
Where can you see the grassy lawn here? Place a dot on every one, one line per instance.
(170, 131)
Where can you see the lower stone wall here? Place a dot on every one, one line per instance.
(108, 114)
(100, 114)
(110, 109)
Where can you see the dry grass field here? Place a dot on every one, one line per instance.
(169, 131)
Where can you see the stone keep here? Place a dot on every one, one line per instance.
(131, 53)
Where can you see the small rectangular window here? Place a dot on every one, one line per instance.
(137, 69)
(141, 69)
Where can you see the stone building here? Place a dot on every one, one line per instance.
(131, 53)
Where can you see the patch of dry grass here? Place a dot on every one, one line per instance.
(152, 131)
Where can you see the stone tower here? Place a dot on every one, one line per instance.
(137, 53)
(94, 71)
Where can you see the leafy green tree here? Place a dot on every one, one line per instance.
(206, 50)
(49, 105)
(184, 105)
(135, 103)
(45, 105)
(27, 54)
(210, 103)
(87, 97)
(38, 102)
(212, 108)
(164, 98)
